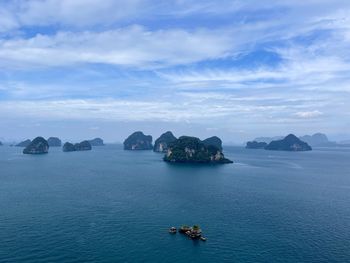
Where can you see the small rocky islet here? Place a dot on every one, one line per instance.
(82, 146)
(256, 145)
(96, 142)
(194, 232)
(38, 146)
(138, 141)
(54, 142)
(289, 143)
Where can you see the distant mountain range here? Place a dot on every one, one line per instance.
(315, 140)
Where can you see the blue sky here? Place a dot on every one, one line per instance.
(237, 69)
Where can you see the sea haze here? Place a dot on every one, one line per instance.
(110, 205)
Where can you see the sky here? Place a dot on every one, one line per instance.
(236, 69)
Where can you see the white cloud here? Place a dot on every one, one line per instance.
(308, 114)
(131, 46)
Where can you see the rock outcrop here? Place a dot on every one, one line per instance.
(192, 150)
(38, 146)
(256, 145)
(68, 147)
(161, 144)
(83, 146)
(54, 142)
(24, 143)
(214, 141)
(138, 141)
(289, 143)
(96, 142)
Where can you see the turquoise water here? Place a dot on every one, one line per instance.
(110, 205)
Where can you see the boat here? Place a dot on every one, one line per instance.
(172, 230)
(203, 239)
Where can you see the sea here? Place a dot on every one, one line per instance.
(111, 205)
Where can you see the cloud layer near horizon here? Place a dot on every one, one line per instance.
(235, 66)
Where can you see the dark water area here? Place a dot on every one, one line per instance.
(111, 205)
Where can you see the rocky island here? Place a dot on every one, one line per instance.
(161, 144)
(24, 143)
(289, 143)
(256, 145)
(96, 142)
(138, 141)
(83, 146)
(54, 142)
(38, 146)
(214, 141)
(192, 150)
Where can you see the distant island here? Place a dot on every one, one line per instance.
(256, 145)
(318, 140)
(289, 143)
(315, 140)
(188, 149)
(83, 146)
(1, 144)
(24, 143)
(54, 142)
(138, 141)
(96, 142)
(162, 143)
(38, 146)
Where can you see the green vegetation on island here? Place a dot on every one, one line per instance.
(38, 146)
(289, 143)
(188, 149)
(54, 142)
(83, 146)
(161, 144)
(138, 141)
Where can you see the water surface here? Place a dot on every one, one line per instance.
(110, 205)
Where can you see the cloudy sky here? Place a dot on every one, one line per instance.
(237, 69)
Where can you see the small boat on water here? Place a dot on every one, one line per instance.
(194, 232)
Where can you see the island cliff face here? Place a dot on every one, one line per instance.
(192, 150)
(162, 143)
(24, 143)
(289, 143)
(54, 142)
(38, 146)
(96, 142)
(256, 145)
(214, 141)
(138, 141)
(83, 146)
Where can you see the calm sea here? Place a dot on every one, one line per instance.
(110, 205)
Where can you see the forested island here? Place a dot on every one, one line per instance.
(38, 146)
(288, 143)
